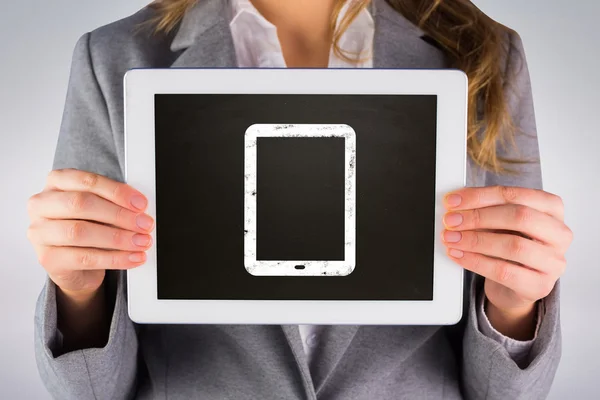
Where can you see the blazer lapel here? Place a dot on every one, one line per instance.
(292, 334)
(398, 43)
(335, 340)
(204, 38)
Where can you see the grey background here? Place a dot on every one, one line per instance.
(561, 40)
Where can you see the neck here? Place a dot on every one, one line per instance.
(303, 27)
(308, 18)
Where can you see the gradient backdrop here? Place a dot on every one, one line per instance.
(561, 39)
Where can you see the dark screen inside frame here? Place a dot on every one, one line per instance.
(200, 194)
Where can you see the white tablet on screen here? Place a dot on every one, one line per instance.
(254, 265)
(296, 196)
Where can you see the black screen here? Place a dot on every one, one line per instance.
(300, 210)
(300, 203)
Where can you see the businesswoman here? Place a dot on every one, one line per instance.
(87, 226)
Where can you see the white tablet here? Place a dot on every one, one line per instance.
(296, 196)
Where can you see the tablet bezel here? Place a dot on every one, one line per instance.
(289, 267)
(450, 87)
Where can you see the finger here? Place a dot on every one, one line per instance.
(72, 180)
(508, 247)
(518, 218)
(88, 206)
(55, 258)
(471, 198)
(80, 233)
(527, 283)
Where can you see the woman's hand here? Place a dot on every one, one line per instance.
(83, 224)
(515, 238)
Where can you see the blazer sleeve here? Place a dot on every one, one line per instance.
(488, 371)
(86, 142)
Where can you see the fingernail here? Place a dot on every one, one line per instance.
(137, 257)
(144, 221)
(139, 202)
(456, 253)
(453, 200)
(453, 219)
(452, 237)
(141, 240)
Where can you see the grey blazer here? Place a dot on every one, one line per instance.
(268, 362)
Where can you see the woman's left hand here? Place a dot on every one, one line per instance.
(514, 237)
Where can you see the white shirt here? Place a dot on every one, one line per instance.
(257, 45)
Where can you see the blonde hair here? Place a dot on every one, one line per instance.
(473, 42)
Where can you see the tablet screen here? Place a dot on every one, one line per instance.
(200, 176)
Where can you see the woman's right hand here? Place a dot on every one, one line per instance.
(83, 224)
